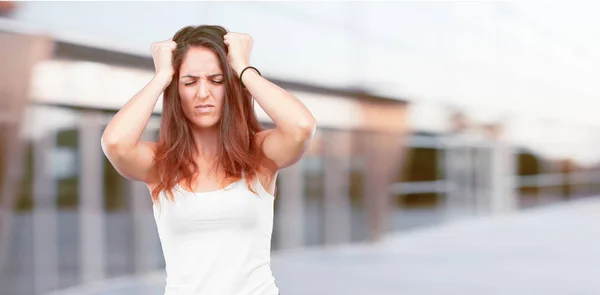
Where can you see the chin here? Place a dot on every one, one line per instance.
(204, 123)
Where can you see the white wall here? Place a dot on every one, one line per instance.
(495, 59)
(497, 55)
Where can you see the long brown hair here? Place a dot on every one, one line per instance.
(238, 153)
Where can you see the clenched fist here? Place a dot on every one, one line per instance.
(162, 54)
(239, 47)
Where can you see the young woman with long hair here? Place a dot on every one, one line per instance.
(213, 170)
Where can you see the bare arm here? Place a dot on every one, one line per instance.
(295, 126)
(121, 143)
(132, 158)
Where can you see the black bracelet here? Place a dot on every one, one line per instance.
(242, 73)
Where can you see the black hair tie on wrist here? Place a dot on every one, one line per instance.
(242, 73)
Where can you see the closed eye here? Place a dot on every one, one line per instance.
(216, 78)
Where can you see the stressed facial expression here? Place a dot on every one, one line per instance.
(201, 87)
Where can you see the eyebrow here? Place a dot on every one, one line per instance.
(196, 77)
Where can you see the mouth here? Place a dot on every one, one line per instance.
(205, 108)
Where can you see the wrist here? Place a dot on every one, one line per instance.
(243, 73)
(239, 68)
(163, 78)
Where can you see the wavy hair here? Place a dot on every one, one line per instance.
(238, 152)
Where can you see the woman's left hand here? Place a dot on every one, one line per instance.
(239, 47)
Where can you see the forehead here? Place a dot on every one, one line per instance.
(200, 60)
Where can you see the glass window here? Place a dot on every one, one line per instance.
(312, 165)
(24, 198)
(358, 217)
(528, 165)
(65, 159)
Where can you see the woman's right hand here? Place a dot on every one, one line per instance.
(162, 54)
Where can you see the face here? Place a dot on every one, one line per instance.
(201, 87)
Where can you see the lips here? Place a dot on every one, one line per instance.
(205, 108)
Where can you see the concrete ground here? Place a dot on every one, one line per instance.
(553, 250)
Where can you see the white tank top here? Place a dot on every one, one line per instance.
(217, 243)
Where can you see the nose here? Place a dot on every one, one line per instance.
(202, 91)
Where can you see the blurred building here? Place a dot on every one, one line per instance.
(69, 218)
(386, 157)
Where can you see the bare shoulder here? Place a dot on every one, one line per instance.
(149, 149)
(150, 145)
(260, 136)
(265, 161)
(270, 168)
(135, 164)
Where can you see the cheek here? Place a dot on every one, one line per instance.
(186, 96)
(185, 93)
(219, 95)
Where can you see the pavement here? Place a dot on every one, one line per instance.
(553, 250)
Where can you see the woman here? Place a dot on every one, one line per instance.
(212, 172)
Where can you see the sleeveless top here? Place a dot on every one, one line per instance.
(219, 242)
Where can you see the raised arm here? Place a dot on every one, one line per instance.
(132, 158)
(294, 124)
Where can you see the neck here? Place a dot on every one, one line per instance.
(206, 140)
